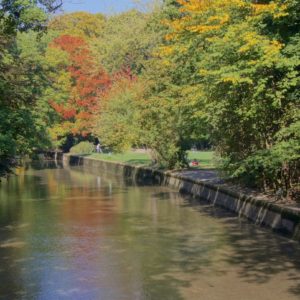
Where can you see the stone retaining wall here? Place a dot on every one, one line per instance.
(280, 219)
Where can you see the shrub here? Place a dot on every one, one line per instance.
(83, 148)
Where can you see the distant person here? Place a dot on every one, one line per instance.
(194, 162)
(98, 148)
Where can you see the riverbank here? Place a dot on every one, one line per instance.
(206, 186)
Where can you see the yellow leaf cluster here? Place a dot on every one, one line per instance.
(178, 24)
(220, 19)
(277, 10)
(202, 28)
(272, 48)
(203, 72)
(204, 5)
(197, 16)
(237, 80)
(254, 41)
(251, 40)
(166, 50)
(230, 79)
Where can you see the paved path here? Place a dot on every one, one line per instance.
(203, 175)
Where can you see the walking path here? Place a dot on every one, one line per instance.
(205, 175)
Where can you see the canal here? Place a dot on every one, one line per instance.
(74, 234)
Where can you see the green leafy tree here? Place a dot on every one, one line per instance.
(171, 118)
(117, 122)
(127, 42)
(19, 79)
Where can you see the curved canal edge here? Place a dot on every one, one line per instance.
(283, 220)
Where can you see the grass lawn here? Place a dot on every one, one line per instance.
(130, 157)
(205, 158)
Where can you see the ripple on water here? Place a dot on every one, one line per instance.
(12, 243)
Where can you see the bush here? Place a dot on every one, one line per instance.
(83, 148)
(273, 168)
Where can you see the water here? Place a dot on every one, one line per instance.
(72, 234)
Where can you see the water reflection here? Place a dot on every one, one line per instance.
(72, 234)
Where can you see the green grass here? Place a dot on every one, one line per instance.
(129, 157)
(205, 158)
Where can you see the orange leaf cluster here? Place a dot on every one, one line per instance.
(89, 82)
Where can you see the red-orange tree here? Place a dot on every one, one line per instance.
(87, 81)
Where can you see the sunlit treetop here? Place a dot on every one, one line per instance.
(207, 15)
(81, 24)
(210, 19)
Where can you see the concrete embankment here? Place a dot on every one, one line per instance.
(284, 220)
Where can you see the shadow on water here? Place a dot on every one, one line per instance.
(258, 253)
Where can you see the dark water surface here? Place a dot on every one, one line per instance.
(71, 234)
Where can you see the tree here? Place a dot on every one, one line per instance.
(19, 85)
(118, 124)
(127, 42)
(170, 118)
(81, 84)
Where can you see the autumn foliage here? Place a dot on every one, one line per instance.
(88, 82)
